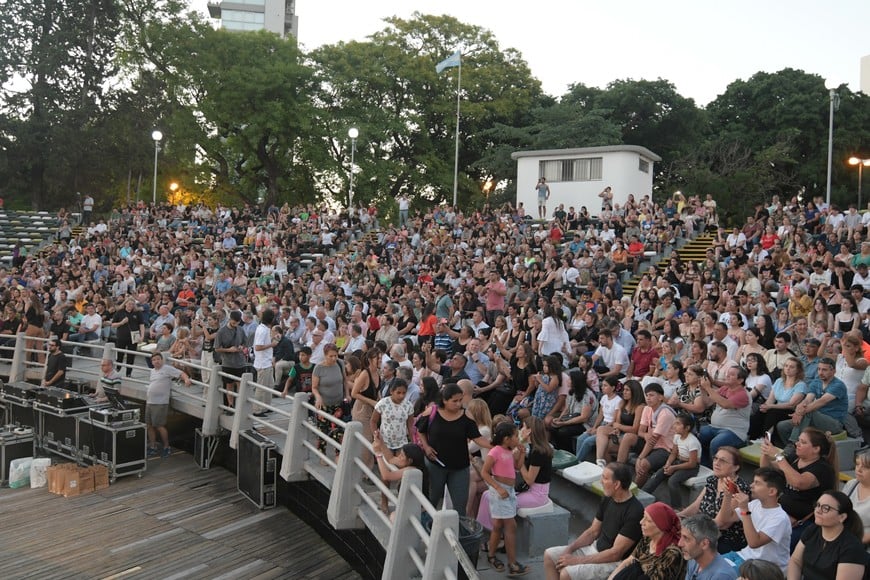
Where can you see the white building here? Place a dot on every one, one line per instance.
(278, 16)
(577, 176)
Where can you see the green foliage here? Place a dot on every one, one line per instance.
(387, 87)
(248, 117)
(56, 56)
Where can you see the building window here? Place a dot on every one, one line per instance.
(588, 169)
(242, 20)
(643, 165)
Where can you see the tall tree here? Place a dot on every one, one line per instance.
(406, 112)
(57, 56)
(243, 105)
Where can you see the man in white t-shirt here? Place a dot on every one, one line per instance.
(263, 345)
(766, 525)
(90, 326)
(611, 355)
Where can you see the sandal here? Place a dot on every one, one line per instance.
(517, 569)
(496, 564)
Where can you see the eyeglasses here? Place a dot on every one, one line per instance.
(824, 508)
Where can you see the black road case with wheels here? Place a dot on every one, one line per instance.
(256, 468)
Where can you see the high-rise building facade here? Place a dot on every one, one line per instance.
(865, 75)
(278, 16)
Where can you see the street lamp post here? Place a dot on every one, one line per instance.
(861, 163)
(832, 93)
(353, 133)
(157, 136)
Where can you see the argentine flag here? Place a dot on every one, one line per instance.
(452, 60)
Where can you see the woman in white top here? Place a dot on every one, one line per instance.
(553, 337)
(758, 382)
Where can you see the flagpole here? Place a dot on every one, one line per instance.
(456, 152)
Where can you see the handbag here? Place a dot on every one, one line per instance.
(520, 484)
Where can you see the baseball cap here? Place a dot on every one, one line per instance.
(814, 341)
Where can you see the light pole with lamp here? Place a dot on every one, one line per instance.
(157, 136)
(861, 163)
(353, 133)
(835, 100)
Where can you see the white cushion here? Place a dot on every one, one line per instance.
(583, 473)
(547, 508)
(700, 479)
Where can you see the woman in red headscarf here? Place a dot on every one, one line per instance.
(656, 556)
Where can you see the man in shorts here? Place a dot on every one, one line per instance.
(157, 402)
(609, 539)
(543, 191)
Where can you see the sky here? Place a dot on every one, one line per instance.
(698, 45)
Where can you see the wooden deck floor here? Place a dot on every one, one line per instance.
(177, 521)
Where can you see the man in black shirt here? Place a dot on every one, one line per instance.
(609, 539)
(55, 366)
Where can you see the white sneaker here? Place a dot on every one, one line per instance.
(601, 463)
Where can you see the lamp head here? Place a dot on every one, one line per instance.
(353, 133)
(156, 135)
(854, 161)
(831, 84)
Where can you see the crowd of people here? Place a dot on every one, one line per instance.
(470, 344)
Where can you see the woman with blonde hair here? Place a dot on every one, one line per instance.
(858, 491)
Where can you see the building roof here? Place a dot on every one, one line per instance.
(588, 151)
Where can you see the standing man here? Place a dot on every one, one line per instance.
(404, 205)
(55, 365)
(263, 349)
(129, 331)
(608, 540)
(229, 345)
(157, 403)
(699, 536)
(543, 195)
(87, 209)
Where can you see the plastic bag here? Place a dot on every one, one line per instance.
(38, 470)
(19, 472)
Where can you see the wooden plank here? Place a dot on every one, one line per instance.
(177, 521)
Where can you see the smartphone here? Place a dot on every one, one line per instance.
(769, 435)
(732, 487)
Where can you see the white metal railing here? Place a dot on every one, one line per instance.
(348, 495)
(411, 549)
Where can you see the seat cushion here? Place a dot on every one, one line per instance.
(700, 479)
(563, 459)
(547, 508)
(751, 453)
(583, 473)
